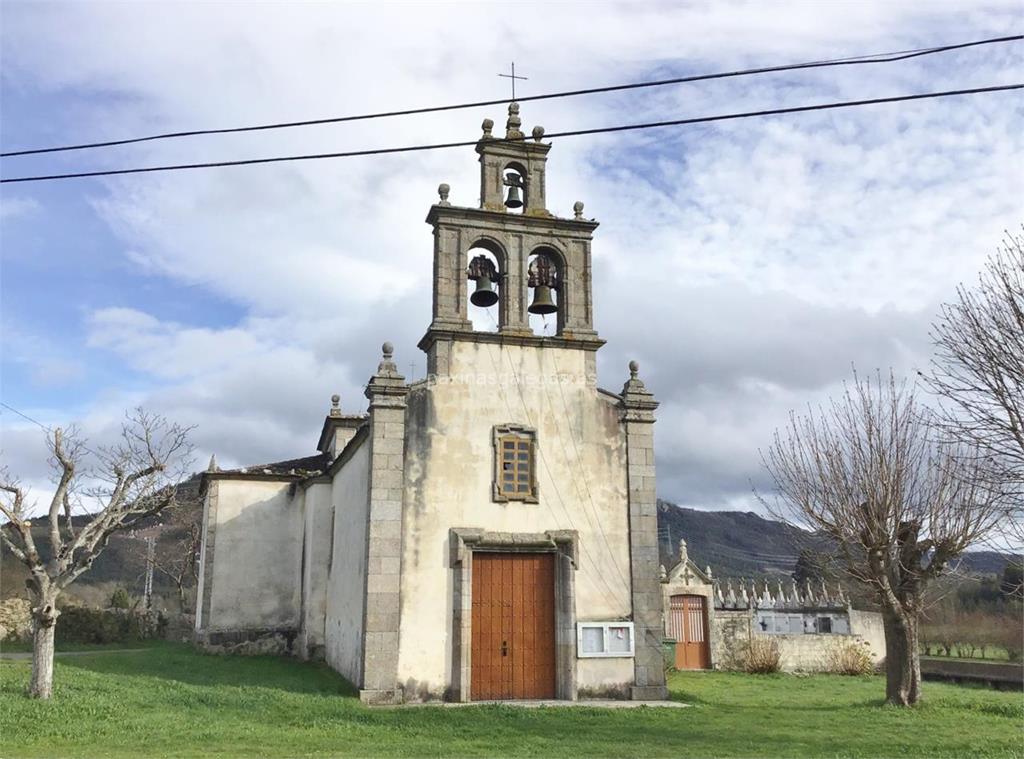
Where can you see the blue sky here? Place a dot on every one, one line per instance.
(747, 265)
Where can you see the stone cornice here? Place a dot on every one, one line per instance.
(253, 476)
(585, 343)
(509, 222)
(331, 422)
(512, 147)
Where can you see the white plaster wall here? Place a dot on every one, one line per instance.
(867, 625)
(799, 652)
(318, 514)
(343, 630)
(604, 677)
(201, 584)
(581, 475)
(257, 557)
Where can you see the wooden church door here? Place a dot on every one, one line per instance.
(513, 626)
(688, 624)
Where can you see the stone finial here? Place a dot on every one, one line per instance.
(634, 370)
(512, 131)
(387, 386)
(213, 464)
(707, 571)
(387, 367)
(662, 573)
(538, 133)
(577, 209)
(335, 405)
(487, 126)
(684, 555)
(442, 190)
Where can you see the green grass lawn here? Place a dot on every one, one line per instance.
(17, 647)
(173, 702)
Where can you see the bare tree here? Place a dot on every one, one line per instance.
(117, 488)
(978, 372)
(868, 473)
(177, 556)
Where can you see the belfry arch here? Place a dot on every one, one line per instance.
(486, 292)
(545, 276)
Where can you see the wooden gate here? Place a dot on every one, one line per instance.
(513, 624)
(688, 624)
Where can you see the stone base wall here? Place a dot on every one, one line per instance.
(248, 642)
(731, 630)
(15, 620)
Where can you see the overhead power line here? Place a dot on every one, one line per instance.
(890, 57)
(26, 417)
(470, 143)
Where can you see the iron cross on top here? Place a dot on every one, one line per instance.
(513, 77)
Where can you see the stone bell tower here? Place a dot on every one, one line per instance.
(531, 248)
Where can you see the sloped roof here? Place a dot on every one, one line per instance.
(300, 466)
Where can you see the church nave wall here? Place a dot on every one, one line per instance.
(256, 575)
(345, 596)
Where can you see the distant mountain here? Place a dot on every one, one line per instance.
(734, 543)
(743, 544)
(121, 564)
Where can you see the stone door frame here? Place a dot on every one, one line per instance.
(564, 544)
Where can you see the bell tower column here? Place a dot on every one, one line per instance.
(638, 407)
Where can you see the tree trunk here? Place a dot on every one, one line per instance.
(902, 658)
(44, 625)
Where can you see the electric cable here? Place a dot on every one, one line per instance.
(890, 57)
(553, 135)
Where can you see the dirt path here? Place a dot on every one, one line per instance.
(27, 655)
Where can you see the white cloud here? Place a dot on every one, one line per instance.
(16, 207)
(746, 264)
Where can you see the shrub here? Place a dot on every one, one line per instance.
(850, 658)
(81, 624)
(761, 656)
(119, 599)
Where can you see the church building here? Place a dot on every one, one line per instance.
(488, 532)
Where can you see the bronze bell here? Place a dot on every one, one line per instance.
(513, 200)
(542, 301)
(484, 295)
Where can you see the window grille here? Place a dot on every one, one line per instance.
(515, 477)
